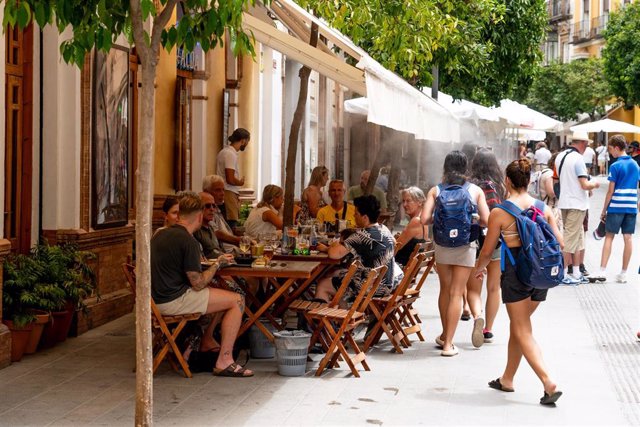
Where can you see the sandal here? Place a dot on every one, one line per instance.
(550, 399)
(497, 385)
(233, 370)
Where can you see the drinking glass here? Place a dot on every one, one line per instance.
(267, 253)
(245, 245)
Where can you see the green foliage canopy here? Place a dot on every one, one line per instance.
(485, 49)
(566, 90)
(98, 23)
(621, 54)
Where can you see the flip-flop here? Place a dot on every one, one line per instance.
(550, 399)
(233, 370)
(497, 385)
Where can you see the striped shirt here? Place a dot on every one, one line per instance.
(625, 173)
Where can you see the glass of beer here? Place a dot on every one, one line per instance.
(267, 253)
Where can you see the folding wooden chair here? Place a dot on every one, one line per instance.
(336, 327)
(385, 309)
(165, 330)
(407, 314)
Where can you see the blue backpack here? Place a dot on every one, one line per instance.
(539, 263)
(452, 218)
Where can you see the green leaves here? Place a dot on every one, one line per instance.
(621, 54)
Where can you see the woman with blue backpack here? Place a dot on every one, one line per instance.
(532, 263)
(456, 208)
(486, 174)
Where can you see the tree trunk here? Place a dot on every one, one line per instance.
(393, 190)
(381, 155)
(292, 150)
(144, 205)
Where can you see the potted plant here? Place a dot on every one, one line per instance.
(67, 270)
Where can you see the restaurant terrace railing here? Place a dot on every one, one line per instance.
(581, 31)
(598, 25)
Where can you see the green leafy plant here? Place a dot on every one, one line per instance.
(245, 209)
(46, 279)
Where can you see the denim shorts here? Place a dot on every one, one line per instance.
(616, 222)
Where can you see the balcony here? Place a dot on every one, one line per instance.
(559, 10)
(581, 31)
(599, 24)
(185, 61)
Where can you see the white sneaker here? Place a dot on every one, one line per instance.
(570, 280)
(621, 278)
(598, 277)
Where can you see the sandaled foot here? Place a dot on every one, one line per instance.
(497, 385)
(453, 351)
(550, 399)
(233, 370)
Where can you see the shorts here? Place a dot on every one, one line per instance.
(463, 256)
(232, 205)
(513, 290)
(189, 302)
(616, 222)
(572, 220)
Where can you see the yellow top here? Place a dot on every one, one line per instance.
(328, 214)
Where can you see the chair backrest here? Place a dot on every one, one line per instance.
(372, 282)
(427, 262)
(345, 283)
(130, 274)
(409, 274)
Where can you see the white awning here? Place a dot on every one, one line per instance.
(524, 117)
(393, 102)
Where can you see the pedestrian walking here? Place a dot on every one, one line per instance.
(486, 174)
(589, 156)
(574, 187)
(620, 206)
(456, 208)
(602, 157)
(521, 300)
(541, 156)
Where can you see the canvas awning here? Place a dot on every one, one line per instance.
(522, 116)
(393, 102)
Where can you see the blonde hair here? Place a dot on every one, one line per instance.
(269, 193)
(316, 175)
(189, 203)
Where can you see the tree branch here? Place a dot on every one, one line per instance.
(161, 21)
(138, 30)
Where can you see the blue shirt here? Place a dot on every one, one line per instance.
(625, 173)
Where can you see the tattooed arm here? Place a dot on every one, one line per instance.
(199, 280)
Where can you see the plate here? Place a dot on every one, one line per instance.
(314, 252)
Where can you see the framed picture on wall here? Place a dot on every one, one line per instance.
(110, 137)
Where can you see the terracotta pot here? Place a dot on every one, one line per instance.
(57, 329)
(42, 317)
(19, 339)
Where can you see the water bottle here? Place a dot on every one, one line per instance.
(285, 241)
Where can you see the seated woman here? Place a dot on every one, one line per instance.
(415, 232)
(265, 218)
(312, 197)
(171, 208)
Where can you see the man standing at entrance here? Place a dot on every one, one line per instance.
(575, 185)
(620, 206)
(227, 168)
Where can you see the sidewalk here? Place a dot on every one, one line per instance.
(586, 334)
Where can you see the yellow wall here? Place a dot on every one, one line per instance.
(215, 88)
(628, 116)
(165, 122)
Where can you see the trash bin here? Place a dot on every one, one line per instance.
(291, 352)
(259, 344)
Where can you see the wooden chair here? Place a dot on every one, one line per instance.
(407, 314)
(336, 327)
(385, 311)
(165, 330)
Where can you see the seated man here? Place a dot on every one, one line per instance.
(358, 190)
(338, 209)
(178, 285)
(206, 235)
(214, 185)
(373, 245)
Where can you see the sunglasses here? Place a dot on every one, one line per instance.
(209, 205)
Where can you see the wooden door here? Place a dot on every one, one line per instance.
(18, 138)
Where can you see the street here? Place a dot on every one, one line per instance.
(587, 335)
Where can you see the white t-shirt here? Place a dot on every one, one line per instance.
(228, 159)
(542, 156)
(255, 225)
(572, 196)
(602, 153)
(588, 155)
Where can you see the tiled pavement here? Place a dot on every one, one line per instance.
(586, 333)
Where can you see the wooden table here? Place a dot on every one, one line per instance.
(325, 264)
(291, 271)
